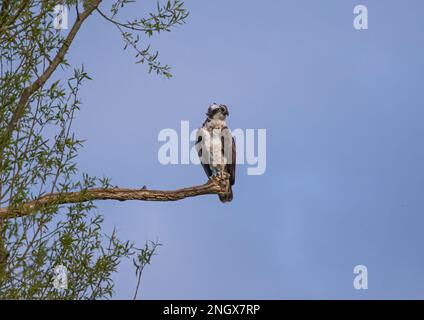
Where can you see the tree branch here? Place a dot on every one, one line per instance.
(216, 185)
(37, 84)
(4, 14)
(125, 25)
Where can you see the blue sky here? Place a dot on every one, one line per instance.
(344, 180)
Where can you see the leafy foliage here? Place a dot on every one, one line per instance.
(39, 157)
(166, 16)
(144, 256)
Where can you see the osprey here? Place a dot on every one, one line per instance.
(216, 147)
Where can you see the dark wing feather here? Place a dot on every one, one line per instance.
(205, 166)
(231, 167)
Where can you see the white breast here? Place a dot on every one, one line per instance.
(212, 144)
(216, 152)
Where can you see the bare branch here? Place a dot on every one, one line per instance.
(125, 25)
(217, 185)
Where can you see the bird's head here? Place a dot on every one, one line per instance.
(217, 111)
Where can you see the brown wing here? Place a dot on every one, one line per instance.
(205, 166)
(230, 167)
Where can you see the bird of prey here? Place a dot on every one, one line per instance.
(216, 147)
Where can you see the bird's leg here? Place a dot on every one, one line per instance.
(224, 176)
(221, 172)
(223, 179)
(215, 171)
(221, 176)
